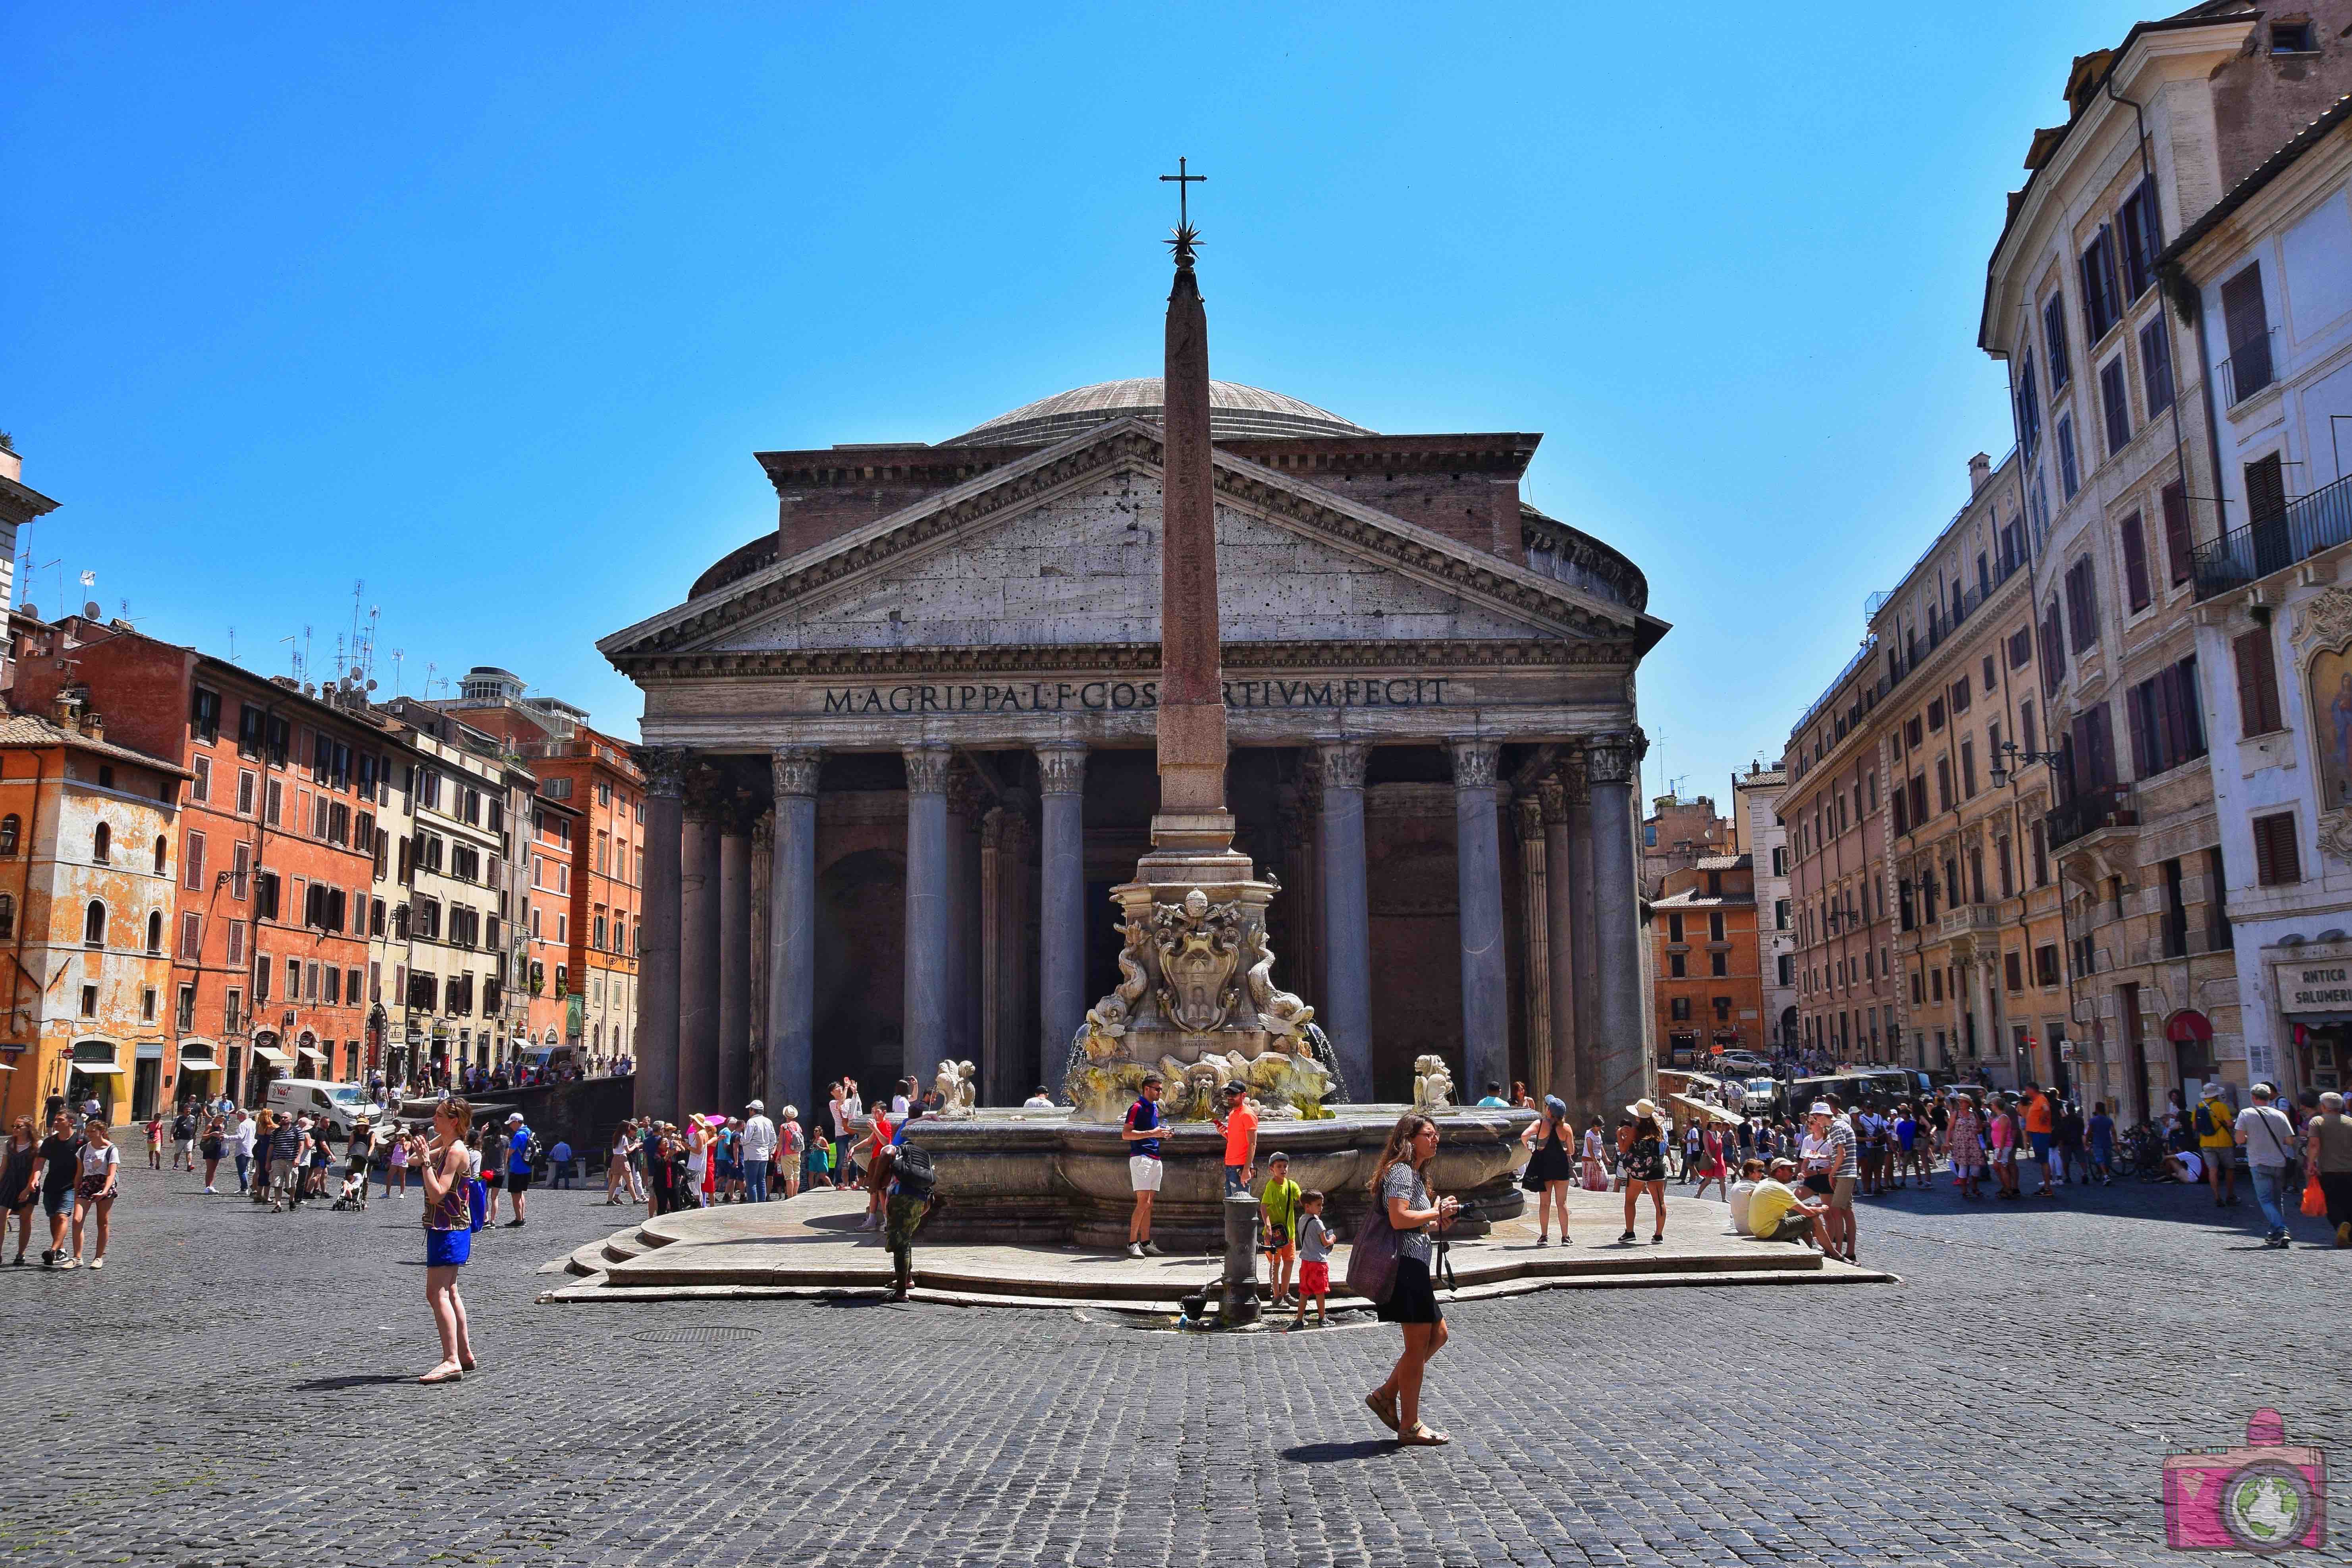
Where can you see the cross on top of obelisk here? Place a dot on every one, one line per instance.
(1186, 235)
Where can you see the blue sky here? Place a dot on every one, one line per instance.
(488, 306)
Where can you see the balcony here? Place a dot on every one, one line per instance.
(2093, 811)
(1968, 918)
(2320, 521)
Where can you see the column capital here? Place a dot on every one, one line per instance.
(1612, 759)
(794, 769)
(763, 834)
(1342, 763)
(1528, 816)
(1551, 799)
(926, 769)
(707, 798)
(967, 797)
(665, 769)
(1473, 762)
(1062, 769)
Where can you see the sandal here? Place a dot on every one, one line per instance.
(1422, 1436)
(455, 1374)
(467, 1365)
(1385, 1410)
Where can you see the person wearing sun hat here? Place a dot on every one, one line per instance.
(1645, 1167)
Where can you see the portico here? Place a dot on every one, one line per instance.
(946, 714)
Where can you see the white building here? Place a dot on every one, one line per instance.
(2269, 267)
(1760, 831)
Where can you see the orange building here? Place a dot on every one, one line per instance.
(1709, 987)
(88, 858)
(552, 828)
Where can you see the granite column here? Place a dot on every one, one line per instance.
(654, 1091)
(734, 1080)
(792, 928)
(1561, 898)
(929, 941)
(1534, 968)
(1478, 865)
(1621, 1064)
(1347, 1009)
(698, 924)
(1062, 911)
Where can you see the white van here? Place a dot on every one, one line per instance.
(342, 1103)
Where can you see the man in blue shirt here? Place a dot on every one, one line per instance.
(518, 1150)
(1493, 1100)
(1141, 1133)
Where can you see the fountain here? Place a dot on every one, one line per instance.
(1196, 1000)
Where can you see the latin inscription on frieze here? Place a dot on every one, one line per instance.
(1123, 696)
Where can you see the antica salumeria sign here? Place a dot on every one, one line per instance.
(1122, 696)
(2325, 989)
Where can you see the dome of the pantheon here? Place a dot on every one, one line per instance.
(1236, 413)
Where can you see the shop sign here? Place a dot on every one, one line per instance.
(2315, 988)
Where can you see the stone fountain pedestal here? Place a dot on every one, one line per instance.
(1043, 1178)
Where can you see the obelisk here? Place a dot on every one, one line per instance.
(1189, 724)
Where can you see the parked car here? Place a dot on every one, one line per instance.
(1742, 1063)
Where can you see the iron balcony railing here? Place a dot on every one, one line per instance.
(2251, 366)
(2310, 524)
(2109, 805)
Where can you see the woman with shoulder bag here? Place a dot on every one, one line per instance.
(1646, 1166)
(212, 1146)
(1398, 1187)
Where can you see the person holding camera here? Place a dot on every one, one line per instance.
(447, 1168)
(1398, 1185)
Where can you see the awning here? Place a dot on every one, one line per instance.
(195, 1067)
(313, 1052)
(274, 1057)
(2188, 1024)
(1712, 1112)
(97, 1069)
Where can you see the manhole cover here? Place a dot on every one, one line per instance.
(694, 1336)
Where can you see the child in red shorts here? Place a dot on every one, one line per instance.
(1314, 1243)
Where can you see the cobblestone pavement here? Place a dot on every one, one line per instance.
(233, 1389)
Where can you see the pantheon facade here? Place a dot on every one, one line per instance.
(900, 750)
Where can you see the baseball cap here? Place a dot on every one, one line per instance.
(755, 1105)
(513, 1117)
(1277, 1158)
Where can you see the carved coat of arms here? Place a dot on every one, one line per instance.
(1199, 946)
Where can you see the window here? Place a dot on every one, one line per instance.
(2028, 411)
(192, 864)
(2045, 965)
(2013, 969)
(1780, 914)
(2082, 606)
(2258, 690)
(9, 830)
(312, 992)
(1935, 715)
(2292, 38)
(2070, 475)
(235, 943)
(1716, 965)
(2276, 861)
(2025, 731)
(1943, 784)
(2246, 318)
(1779, 861)
(2156, 366)
(2266, 493)
(1787, 970)
(2040, 857)
(155, 930)
(1678, 1009)
(334, 993)
(251, 724)
(281, 741)
(201, 786)
(1967, 770)
(1960, 696)
(93, 924)
(1916, 988)
(275, 811)
(2102, 306)
(204, 715)
(2176, 912)
(2143, 240)
(1673, 928)
(2217, 904)
(192, 934)
(90, 1001)
(2136, 585)
(102, 844)
(1936, 985)
(2054, 341)
(2114, 405)
(2166, 728)
(7, 916)
(245, 786)
(265, 887)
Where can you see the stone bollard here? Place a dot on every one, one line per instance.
(1239, 1300)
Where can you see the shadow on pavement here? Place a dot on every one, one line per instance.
(354, 1380)
(1333, 1453)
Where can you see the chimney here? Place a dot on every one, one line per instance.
(68, 701)
(93, 724)
(1980, 474)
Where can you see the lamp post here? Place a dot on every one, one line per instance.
(2012, 757)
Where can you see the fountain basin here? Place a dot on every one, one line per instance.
(1039, 1177)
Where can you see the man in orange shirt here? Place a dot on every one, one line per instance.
(1239, 1124)
(2039, 1123)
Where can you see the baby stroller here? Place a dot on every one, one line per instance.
(354, 1194)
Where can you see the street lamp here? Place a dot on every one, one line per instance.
(2012, 757)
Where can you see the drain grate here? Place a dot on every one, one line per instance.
(694, 1336)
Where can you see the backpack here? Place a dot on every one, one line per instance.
(2204, 1119)
(916, 1174)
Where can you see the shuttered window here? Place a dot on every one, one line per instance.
(2156, 366)
(2277, 863)
(2143, 240)
(2265, 493)
(192, 861)
(2054, 652)
(2013, 970)
(192, 934)
(2028, 411)
(2114, 405)
(2247, 320)
(2101, 306)
(2054, 340)
(2167, 726)
(2082, 605)
(2179, 546)
(2258, 691)
(2135, 586)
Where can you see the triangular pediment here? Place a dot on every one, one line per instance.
(1062, 548)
